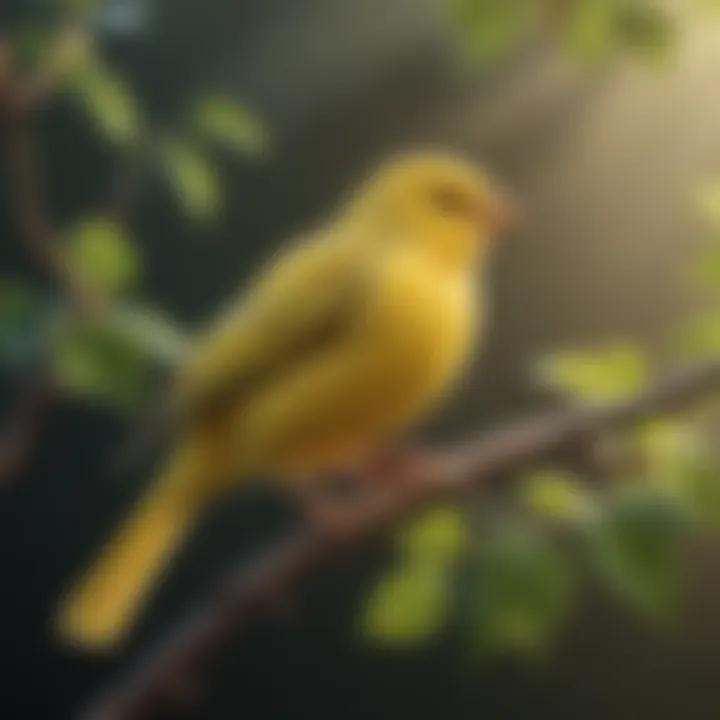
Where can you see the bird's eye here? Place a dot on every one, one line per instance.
(453, 202)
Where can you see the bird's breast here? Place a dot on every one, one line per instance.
(406, 345)
(420, 324)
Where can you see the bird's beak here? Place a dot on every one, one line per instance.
(500, 213)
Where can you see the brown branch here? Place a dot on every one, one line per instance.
(172, 672)
(21, 100)
(31, 216)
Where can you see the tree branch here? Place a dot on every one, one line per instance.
(171, 674)
(31, 216)
(21, 99)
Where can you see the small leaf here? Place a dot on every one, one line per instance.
(409, 607)
(440, 533)
(522, 592)
(232, 125)
(667, 446)
(490, 28)
(194, 179)
(557, 495)
(596, 30)
(91, 360)
(151, 332)
(590, 30)
(25, 319)
(646, 29)
(637, 550)
(104, 255)
(70, 54)
(108, 101)
(601, 375)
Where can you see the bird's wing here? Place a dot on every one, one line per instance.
(304, 302)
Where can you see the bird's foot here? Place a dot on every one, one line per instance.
(376, 479)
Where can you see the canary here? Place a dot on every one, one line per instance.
(348, 337)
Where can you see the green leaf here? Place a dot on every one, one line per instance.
(440, 533)
(230, 124)
(25, 319)
(646, 29)
(108, 101)
(708, 203)
(637, 550)
(409, 607)
(490, 28)
(151, 332)
(69, 54)
(680, 460)
(104, 255)
(522, 592)
(590, 30)
(92, 360)
(113, 359)
(194, 179)
(667, 447)
(601, 375)
(557, 495)
(596, 30)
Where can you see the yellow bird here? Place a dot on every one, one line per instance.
(350, 336)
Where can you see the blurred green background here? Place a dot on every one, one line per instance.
(246, 121)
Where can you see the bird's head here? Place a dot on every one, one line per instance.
(445, 205)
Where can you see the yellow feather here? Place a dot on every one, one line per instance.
(347, 338)
(101, 608)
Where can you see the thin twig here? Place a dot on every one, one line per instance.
(172, 672)
(21, 100)
(31, 216)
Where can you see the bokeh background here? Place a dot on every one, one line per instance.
(606, 161)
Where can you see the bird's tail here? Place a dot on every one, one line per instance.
(101, 608)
